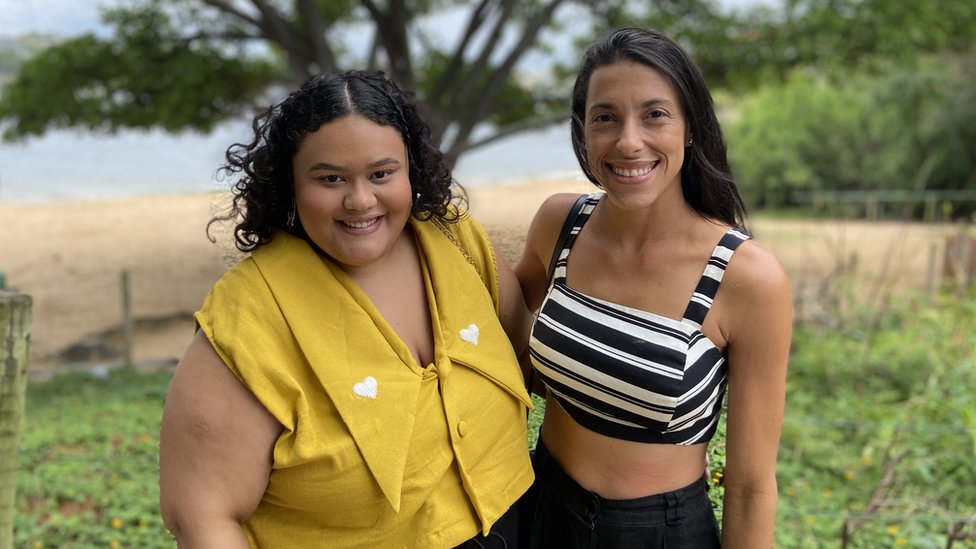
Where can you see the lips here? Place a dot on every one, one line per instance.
(633, 172)
(360, 225)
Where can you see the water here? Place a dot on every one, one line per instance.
(68, 165)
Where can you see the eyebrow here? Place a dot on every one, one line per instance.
(333, 167)
(644, 105)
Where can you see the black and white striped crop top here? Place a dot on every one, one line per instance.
(628, 373)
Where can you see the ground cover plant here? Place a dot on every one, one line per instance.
(878, 450)
(879, 439)
(89, 462)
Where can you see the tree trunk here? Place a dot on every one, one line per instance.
(15, 319)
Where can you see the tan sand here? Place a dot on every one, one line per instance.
(69, 257)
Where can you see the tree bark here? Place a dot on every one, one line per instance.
(15, 320)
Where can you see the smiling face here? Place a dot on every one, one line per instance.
(634, 132)
(352, 190)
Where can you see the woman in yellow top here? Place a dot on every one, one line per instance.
(352, 382)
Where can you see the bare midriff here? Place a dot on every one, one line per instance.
(615, 468)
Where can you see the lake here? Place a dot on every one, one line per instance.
(65, 164)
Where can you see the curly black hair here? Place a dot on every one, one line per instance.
(264, 193)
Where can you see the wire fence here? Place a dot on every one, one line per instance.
(933, 205)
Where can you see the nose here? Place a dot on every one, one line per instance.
(629, 140)
(359, 197)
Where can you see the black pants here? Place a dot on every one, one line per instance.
(503, 534)
(558, 512)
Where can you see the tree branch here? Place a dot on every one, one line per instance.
(499, 75)
(311, 19)
(391, 32)
(276, 29)
(227, 8)
(372, 62)
(452, 71)
(480, 66)
(513, 129)
(957, 532)
(878, 498)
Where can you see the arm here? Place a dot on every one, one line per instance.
(513, 314)
(215, 452)
(759, 327)
(531, 269)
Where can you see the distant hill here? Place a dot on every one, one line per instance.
(14, 51)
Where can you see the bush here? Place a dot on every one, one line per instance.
(908, 128)
(880, 429)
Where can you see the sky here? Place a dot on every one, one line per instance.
(73, 17)
(62, 17)
(102, 165)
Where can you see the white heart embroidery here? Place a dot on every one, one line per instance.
(366, 388)
(470, 334)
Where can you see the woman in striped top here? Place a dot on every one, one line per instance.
(651, 302)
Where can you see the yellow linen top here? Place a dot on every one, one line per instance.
(376, 450)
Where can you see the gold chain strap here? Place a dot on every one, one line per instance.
(440, 224)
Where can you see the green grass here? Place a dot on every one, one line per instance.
(880, 429)
(865, 401)
(89, 463)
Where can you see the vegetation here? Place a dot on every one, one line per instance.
(879, 439)
(10, 59)
(506, 68)
(878, 444)
(89, 463)
(910, 128)
(213, 59)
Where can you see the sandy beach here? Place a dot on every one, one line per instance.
(70, 256)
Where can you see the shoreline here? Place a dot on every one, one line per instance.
(69, 256)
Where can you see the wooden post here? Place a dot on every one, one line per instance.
(965, 255)
(15, 320)
(929, 216)
(871, 207)
(127, 323)
(931, 285)
(818, 202)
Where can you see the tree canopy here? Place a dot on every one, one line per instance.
(189, 64)
(764, 42)
(481, 70)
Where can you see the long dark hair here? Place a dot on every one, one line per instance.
(264, 193)
(706, 179)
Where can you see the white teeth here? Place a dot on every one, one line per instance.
(361, 224)
(632, 173)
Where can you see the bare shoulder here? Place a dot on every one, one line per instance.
(756, 315)
(200, 375)
(755, 293)
(541, 239)
(554, 209)
(547, 222)
(755, 271)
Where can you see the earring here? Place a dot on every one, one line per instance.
(416, 198)
(690, 141)
(290, 223)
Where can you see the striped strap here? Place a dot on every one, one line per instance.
(568, 226)
(701, 300)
